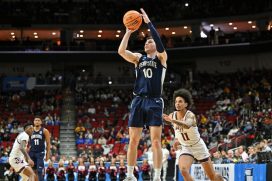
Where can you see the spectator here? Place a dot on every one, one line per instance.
(122, 170)
(213, 143)
(102, 140)
(70, 169)
(112, 170)
(243, 153)
(233, 131)
(101, 171)
(50, 172)
(229, 158)
(237, 156)
(217, 159)
(80, 129)
(252, 156)
(145, 170)
(264, 147)
(81, 169)
(92, 170)
(61, 171)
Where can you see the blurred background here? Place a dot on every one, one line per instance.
(58, 58)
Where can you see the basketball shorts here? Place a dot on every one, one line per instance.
(146, 112)
(38, 159)
(18, 164)
(199, 151)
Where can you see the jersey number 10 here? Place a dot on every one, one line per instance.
(148, 72)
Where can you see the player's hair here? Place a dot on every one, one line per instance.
(149, 37)
(185, 94)
(27, 125)
(38, 116)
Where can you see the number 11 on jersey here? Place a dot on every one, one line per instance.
(36, 141)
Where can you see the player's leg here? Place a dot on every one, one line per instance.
(134, 138)
(209, 170)
(202, 154)
(135, 124)
(155, 134)
(28, 174)
(33, 157)
(185, 163)
(40, 166)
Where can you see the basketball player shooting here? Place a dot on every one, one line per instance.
(147, 104)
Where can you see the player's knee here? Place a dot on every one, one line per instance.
(184, 171)
(156, 143)
(133, 142)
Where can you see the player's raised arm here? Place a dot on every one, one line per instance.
(48, 144)
(126, 54)
(162, 55)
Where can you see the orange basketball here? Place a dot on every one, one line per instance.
(132, 20)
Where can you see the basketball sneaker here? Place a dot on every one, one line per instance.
(130, 179)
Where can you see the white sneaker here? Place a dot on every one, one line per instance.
(130, 179)
(157, 179)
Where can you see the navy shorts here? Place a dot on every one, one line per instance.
(38, 159)
(146, 112)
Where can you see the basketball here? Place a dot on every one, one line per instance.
(132, 20)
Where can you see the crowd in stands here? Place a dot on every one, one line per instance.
(93, 11)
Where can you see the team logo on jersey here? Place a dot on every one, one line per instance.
(40, 132)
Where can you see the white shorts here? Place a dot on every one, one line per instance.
(199, 151)
(18, 164)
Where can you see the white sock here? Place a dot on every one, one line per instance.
(130, 170)
(157, 172)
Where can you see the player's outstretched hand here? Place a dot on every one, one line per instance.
(167, 118)
(145, 17)
(31, 163)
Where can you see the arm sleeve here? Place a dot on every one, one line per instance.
(155, 35)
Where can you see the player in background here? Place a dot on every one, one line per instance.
(186, 131)
(165, 155)
(19, 158)
(38, 149)
(147, 105)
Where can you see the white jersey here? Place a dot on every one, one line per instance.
(16, 152)
(186, 137)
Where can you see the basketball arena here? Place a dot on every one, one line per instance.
(100, 90)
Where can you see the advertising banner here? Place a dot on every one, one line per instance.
(226, 170)
(18, 83)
